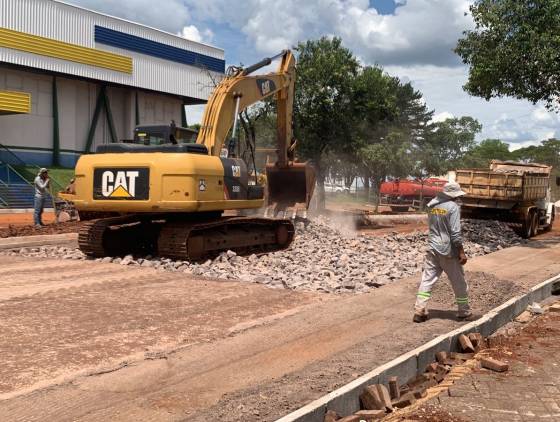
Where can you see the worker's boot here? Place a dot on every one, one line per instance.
(464, 312)
(466, 315)
(420, 315)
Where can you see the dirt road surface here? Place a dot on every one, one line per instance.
(23, 218)
(91, 341)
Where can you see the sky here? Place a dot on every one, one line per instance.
(412, 39)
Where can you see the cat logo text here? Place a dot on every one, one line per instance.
(130, 183)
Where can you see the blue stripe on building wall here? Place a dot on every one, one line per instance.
(156, 49)
(40, 158)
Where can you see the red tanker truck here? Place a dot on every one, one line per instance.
(401, 195)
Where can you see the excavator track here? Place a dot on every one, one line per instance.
(194, 241)
(115, 236)
(183, 239)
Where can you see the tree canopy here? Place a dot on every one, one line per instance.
(514, 50)
(548, 152)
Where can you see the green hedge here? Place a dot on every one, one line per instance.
(60, 176)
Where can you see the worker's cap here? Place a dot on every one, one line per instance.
(43, 170)
(453, 190)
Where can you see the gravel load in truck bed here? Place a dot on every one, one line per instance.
(321, 258)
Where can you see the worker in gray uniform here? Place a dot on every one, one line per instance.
(445, 252)
(41, 183)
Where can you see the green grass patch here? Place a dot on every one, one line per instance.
(60, 176)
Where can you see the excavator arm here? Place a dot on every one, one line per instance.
(241, 90)
(289, 183)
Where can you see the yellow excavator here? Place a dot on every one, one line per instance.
(172, 199)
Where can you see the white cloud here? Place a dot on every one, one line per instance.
(542, 115)
(421, 31)
(513, 121)
(168, 15)
(415, 44)
(442, 117)
(192, 33)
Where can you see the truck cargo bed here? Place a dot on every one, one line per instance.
(505, 181)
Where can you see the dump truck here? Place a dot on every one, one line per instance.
(516, 193)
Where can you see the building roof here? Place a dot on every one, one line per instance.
(63, 38)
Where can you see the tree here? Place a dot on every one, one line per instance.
(390, 156)
(447, 143)
(514, 50)
(548, 152)
(375, 103)
(323, 101)
(486, 151)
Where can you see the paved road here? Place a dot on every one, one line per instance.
(91, 341)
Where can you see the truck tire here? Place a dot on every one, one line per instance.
(526, 229)
(534, 223)
(548, 227)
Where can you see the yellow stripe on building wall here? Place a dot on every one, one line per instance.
(65, 51)
(15, 102)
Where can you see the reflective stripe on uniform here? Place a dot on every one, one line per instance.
(423, 294)
(461, 300)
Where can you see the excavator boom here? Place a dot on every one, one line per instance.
(289, 184)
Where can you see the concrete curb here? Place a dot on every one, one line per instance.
(345, 400)
(39, 240)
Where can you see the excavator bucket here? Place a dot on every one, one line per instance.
(290, 187)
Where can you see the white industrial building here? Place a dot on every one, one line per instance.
(72, 78)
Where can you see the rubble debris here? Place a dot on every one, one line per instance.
(350, 418)
(370, 415)
(535, 308)
(554, 308)
(394, 388)
(405, 400)
(370, 399)
(404, 389)
(450, 362)
(466, 344)
(440, 373)
(340, 263)
(420, 393)
(385, 396)
(461, 356)
(331, 416)
(494, 364)
(376, 397)
(524, 317)
(432, 367)
(476, 340)
(441, 357)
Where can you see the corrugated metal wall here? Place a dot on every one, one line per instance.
(30, 135)
(70, 24)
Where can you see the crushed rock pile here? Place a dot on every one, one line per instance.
(321, 258)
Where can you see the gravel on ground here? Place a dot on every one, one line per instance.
(321, 258)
